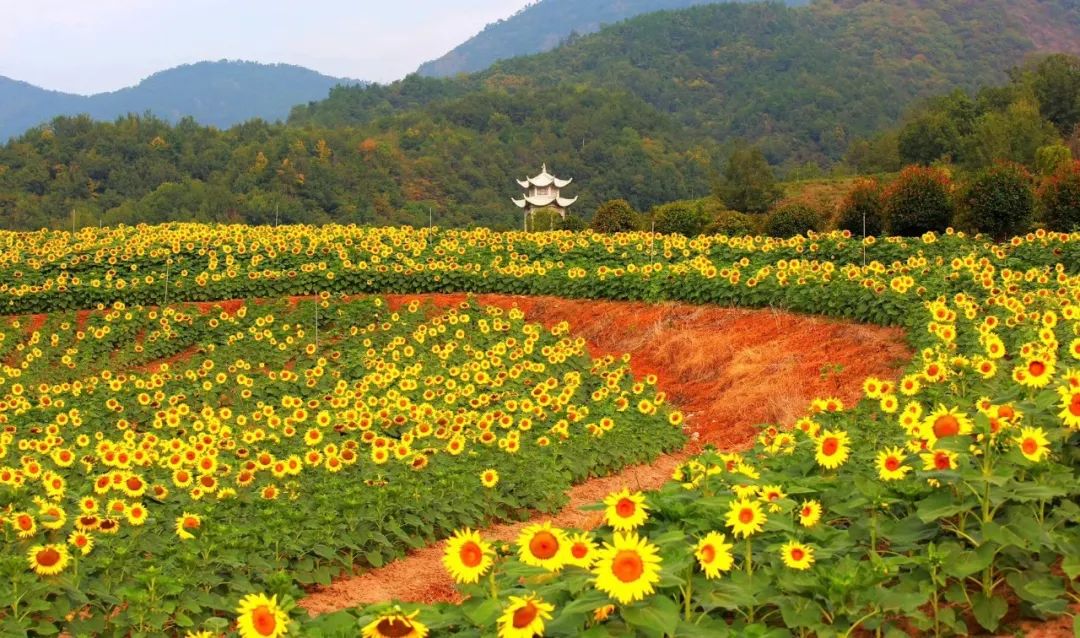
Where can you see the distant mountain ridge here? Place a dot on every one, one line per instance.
(543, 25)
(221, 94)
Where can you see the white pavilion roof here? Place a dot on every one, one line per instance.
(545, 200)
(544, 179)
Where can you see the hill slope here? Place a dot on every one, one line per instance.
(542, 26)
(801, 81)
(214, 93)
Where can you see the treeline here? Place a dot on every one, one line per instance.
(453, 163)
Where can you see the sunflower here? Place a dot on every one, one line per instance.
(627, 569)
(625, 510)
(47, 560)
(185, 524)
(582, 550)
(890, 464)
(1070, 408)
(24, 524)
(82, 541)
(395, 624)
(261, 617)
(1033, 444)
(489, 478)
(713, 553)
(745, 517)
(832, 449)
(467, 556)
(543, 546)
(939, 460)
(809, 513)
(945, 422)
(1035, 372)
(524, 617)
(796, 555)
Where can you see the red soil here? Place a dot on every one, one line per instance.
(729, 370)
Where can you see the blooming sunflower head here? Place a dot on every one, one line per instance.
(542, 545)
(1033, 444)
(625, 510)
(47, 560)
(809, 513)
(261, 617)
(797, 555)
(467, 556)
(713, 554)
(627, 569)
(832, 449)
(745, 517)
(890, 464)
(524, 617)
(395, 624)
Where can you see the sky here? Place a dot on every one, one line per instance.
(89, 46)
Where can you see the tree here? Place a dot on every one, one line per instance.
(999, 201)
(615, 216)
(1056, 83)
(918, 201)
(862, 209)
(793, 219)
(928, 138)
(683, 217)
(1049, 159)
(1013, 135)
(748, 184)
(1059, 199)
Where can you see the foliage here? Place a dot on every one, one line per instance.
(999, 201)
(862, 212)
(919, 200)
(1050, 159)
(793, 219)
(733, 223)
(615, 216)
(687, 218)
(748, 184)
(1055, 81)
(324, 441)
(1059, 199)
(939, 494)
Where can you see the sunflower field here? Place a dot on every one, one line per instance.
(186, 473)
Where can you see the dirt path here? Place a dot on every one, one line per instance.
(729, 370)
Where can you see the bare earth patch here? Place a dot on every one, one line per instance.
(727, 369)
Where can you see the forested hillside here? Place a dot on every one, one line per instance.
(218, 94)
(646, 111)
(542, 26)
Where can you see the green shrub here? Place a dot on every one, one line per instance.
(572, 222)
(863, 209)
(999, 201)
(615, 216)
(683, 217)
(733, 224)
(1049, 159)
(918, 201)
(793, 219)
(1059, 199)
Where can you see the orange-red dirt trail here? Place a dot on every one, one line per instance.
(727, 369)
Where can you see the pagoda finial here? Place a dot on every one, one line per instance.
(543, 167)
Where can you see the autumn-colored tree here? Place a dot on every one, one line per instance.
(862, 210)
(920, 200)
(1059, 199)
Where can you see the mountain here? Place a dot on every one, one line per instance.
(801, 82)
(214, 93)
(544, 25)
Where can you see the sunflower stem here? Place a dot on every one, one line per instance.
(749, 565)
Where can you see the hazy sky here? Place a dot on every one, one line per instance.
(87, 46)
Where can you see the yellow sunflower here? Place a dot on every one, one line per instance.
(944, 422)
(625, 510)
(939, 460)
(395, 624)
(186, 524)
(542, 545)
(796, 555)
(890, 464)
(809, 513)
(467, 556)
(82, 541)
(47, 560)
(628, 569)
(832, 449)
(582, 550)
(745, 517)
(713, 553)
(489, 478)
(524, 617)
(1033, 444)
(261, 617)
